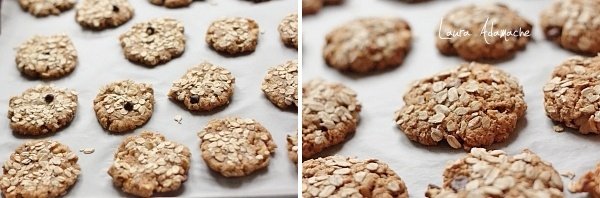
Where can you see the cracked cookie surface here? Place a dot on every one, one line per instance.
(124, 105)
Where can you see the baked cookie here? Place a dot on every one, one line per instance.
(368, 44)
(154, 42)
(42, 109)
(332, 2)
(280, 85)
(330, 112)
(42, 8)
(171, 3)
(124, 105)
(473, 105)
(204, 87)
(102, 14)
(148, 163)
(310, 7)
(40, 168)
(475, 19)
(288, 30)
(236, 147)
(588, 183)
(47, 57)
(573, 24)
(292, 147)
(338, 176)
(571, 96)
(233, 35)
(495, 174)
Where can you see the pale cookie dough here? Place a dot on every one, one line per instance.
(204, 87)
(292, 147)
(495, 174)
(42, 109)
(473, 18)
(233, 35)
(102, 14)
(573, 24)
(280, 85)
(288, 30)
(368, 44)
(236, 147)
(330, 112)
(42, 8)
(148, 163)
(40, 168)
(171, 3)
(124, 105)
(474, 105)
(154, 42)
(47, 57)
(338, 176)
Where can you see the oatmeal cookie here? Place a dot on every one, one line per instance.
(473, 105)
(338, 176)
(47, 57)
(310, 7)
(573, 24)
(171, 3)
(368, 44)
(154, 42)
(102, 14)
(288, 30)
(332, 2)
(292, 147)
(233, 35)
(42, 8)
(124, 105)
(590, 183)
(280, 85)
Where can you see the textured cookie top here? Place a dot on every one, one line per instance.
(470, 106)
(154, 42)
(123, 105)
(40, 168)
(292, 147)
(574, 24)
(288, 30)
(473, 18)
(236, 147)
(281, 84)
(588, 183)
(572, 94)
(149, 163)
(203, 87)
(338, 176)
(368, 44)
(329, 113)
(42, 109)
(42, 8)
(47, 56)
(495, 174)
(171, 3)
(233, 35)
(100, 14)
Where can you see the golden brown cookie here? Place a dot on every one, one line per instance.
(42, 8)
(310, 7)
(292, 147)
(590, 183)
(102, 14)
(154, 42)
(573, 24)
(233, 35)
(288, 30)
(204, 87)
(280, 85)
(47, 57)
(124, 105)
(171, 3)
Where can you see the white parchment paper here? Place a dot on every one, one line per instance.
(101, 61)
(381, 93)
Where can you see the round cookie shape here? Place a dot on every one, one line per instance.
(171, 3)
(42, 109)
(40, 168)
(288, 30)
(292, 147)
(154, 42)
(310, 7)
(43, 8)
(148, 163)
(572, 94)
(495, 174)
(573, 24)
(280, 85)
(474, 105)
(339, 176)
(233, 35)
(332, 2)
(473, 18)
(124, 105)
(236, 147)
(330, 112)
(204, 87)
(102, 14)
(588, 183)
(368, 44)
(47, 57)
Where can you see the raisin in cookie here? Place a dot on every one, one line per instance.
(473, 105)
(47, 57)
(102, 14)
(288, 30)
(154, 42)
(124, 105)
(172, 3)
(292, 147)
(148, 163)
(236, 147)
(368, 44)
(204, 87)
(338, 176)
(42, 8)
(473, 18)
(330, 112)
(495, 174)
(573, 24)
(233, 35)
(280, 85)
(40, 168)
(42, 109)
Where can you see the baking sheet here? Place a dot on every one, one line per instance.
(381, 93)
(101, 61)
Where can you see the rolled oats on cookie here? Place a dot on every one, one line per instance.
(233, 35)
(123, 106)
(102, 14)
(288, 30)
(153, 42)
(43, 8)
(280, 85)
(573, 24)
(171, 3)
(47, 57)
(204, 87)
(590, 183)
(292, 147)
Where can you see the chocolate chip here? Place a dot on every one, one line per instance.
(128, 106)
(195, 99)
(150, 31)
(46, 53)
(49, 98)
(115, 8)
(553, 32)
